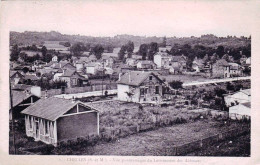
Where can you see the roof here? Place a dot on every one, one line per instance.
(31, 77)
(146, 62)
(247, 104)
(222, 62)
(199, 62)
(12, 73)
(19, 97)
(135, 78)
(51, 63)
(68, 73)
(178, 58)
(51, 108)
(246, 91)
(93, 64)
(21, 87)
(234, 66)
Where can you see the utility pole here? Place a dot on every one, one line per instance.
(11, 108)
(102, 75)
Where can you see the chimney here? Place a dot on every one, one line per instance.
(129, 75)
(73, 99)
(240, 52)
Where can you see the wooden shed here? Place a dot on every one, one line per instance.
(52, 120)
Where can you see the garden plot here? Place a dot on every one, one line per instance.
(156, 142)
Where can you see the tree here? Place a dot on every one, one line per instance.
(176, 84)
(44, 51)
(130, 48)
(164, 42)
(226, 57)
(77, 49)
(34, 48)
(23, 56)
(214, 58)
(143, 50)
(153, 48)
(220, 51)
(47, 57)
(97, 51)
(14, 53)
(122, 52)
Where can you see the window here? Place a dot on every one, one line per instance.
(142, 91)
(74, 81)
(150, 77)
(156, 89)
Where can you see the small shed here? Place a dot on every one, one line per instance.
(53, 120)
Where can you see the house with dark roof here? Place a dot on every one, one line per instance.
(221, 69)
(235, 69)
(53, 120)
(179, 62)
(16, 77)
(141, 87)
(22, 97)
(240, 111)
(73, 78)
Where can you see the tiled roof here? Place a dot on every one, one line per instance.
(134, 78)
(50, 108)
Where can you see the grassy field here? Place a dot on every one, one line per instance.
(183, 78)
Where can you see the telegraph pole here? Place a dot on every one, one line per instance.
(11, 108)
(102, 76)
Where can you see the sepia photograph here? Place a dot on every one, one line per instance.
(128, 78)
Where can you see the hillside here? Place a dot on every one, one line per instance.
(38, 38)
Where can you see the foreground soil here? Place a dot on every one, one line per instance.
(155, 142)
(239, 146)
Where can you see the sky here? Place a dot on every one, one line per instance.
(143, 18)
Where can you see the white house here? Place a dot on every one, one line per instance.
(54, 58)
(240, 111)
(162, 60)
(241, 96)
(145, 64)
(93, 67)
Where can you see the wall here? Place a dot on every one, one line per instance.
(78, 125)
(122, 89)
(157, 61)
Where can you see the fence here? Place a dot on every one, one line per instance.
(74, 90)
